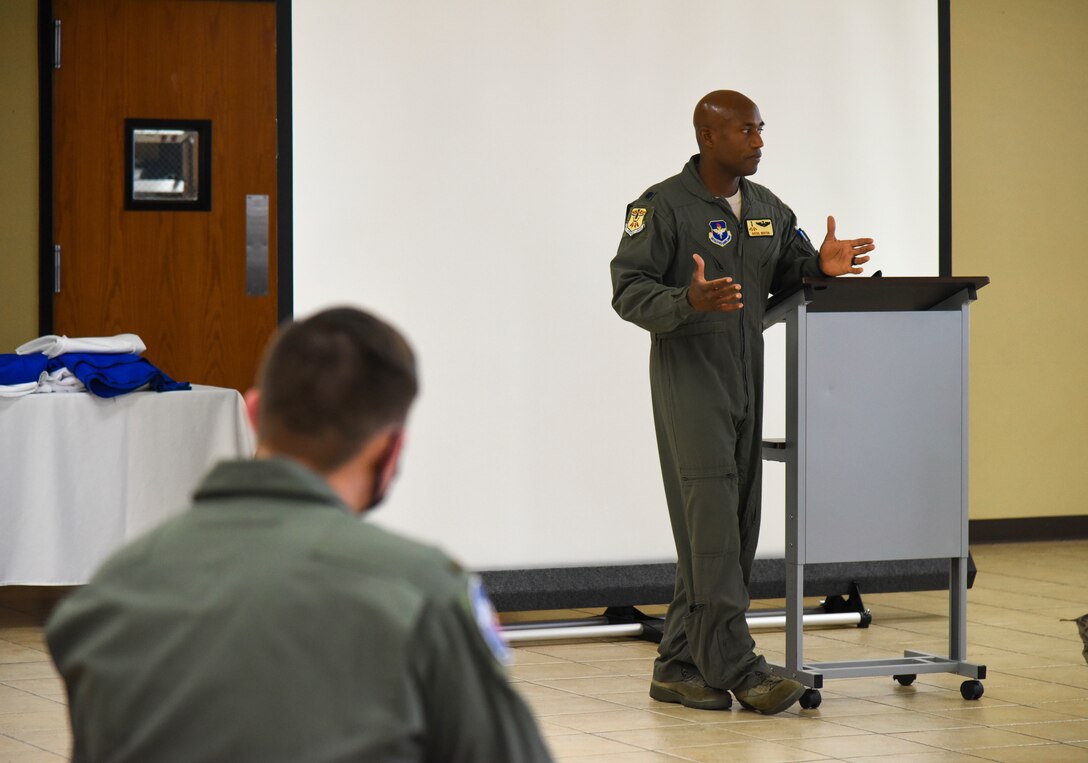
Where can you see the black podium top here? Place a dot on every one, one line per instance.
(839, 295)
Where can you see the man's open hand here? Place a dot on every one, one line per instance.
(841, 257)
(718, 296)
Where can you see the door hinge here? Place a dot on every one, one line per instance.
(56, 43)
(56, 268)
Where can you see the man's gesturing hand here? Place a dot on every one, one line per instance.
(718, 296)
(840, 257)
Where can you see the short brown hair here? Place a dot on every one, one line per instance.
(331, 382)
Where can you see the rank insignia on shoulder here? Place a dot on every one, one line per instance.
(636, 220)
(719, 233)
(760, 228)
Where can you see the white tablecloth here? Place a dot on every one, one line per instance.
(80, 475)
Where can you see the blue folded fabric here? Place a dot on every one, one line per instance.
(21, 369)
(110, 375)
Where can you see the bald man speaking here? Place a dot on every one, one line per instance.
(699, 254)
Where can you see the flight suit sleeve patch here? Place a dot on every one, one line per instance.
(637, 220)
(487, 620)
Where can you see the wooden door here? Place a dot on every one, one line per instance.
(176, 278)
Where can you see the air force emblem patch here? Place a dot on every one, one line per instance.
(719, 233)
(760, 228)
(487, 621)
(636, 220)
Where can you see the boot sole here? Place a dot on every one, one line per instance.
(661, 694)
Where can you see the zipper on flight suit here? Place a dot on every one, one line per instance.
(743, 344)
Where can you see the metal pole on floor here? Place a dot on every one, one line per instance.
(573, 629)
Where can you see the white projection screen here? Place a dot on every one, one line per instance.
(462, 169)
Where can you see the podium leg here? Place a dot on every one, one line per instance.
(795, 585)
(957, 609)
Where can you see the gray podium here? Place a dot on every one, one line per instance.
(876, 448)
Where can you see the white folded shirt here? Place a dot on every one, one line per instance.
(52, 345)
(61, 380)
(18, 390)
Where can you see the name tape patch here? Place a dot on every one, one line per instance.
(760, 228)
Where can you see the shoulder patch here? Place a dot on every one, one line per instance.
(487, 620)
(649, 195)
(637, 220)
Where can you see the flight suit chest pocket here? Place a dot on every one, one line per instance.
(761, 254)
(716, 245)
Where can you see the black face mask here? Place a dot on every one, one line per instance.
(380, 490)
(376, 497)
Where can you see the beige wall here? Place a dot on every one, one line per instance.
(18, 172)
(1020, 199)
(1020, 186)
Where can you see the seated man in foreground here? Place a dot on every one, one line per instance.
(267, 623)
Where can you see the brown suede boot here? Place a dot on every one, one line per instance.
(770, 695)
(691, 691)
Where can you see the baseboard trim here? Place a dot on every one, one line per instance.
(1073, 527)
(639, 584)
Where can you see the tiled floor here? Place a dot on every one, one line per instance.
(591, 699)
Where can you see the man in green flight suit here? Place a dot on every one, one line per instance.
(267, 623)
(689, 245)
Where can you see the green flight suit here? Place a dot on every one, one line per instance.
(706, 383)
(267, 623)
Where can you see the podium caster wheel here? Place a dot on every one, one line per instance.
(810, 700)
(971, 689)
(905, 680)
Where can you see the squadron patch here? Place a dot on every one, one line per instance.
(636, 220)
(760, 228)
(487, 620)
(719, 233)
